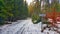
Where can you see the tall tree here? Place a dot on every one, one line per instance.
(34, 9)
(12, 9)
(5, 9)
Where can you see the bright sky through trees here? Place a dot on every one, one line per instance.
(49, 1)
(29, 1)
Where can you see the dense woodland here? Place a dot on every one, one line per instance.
(12, 10)
(37, 7)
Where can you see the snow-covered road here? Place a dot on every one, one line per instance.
(22, 27)
(13, 28)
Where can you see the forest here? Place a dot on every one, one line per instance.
(12, 10)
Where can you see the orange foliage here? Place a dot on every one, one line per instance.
(53, 15)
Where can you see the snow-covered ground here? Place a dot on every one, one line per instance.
(24, 27)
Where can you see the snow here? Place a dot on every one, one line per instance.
(24, 27)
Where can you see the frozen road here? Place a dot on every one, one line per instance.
(23, 27)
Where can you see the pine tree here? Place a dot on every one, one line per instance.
(11, 10)
(34, 9)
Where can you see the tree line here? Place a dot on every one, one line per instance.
(12, 10)
(35, 8)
